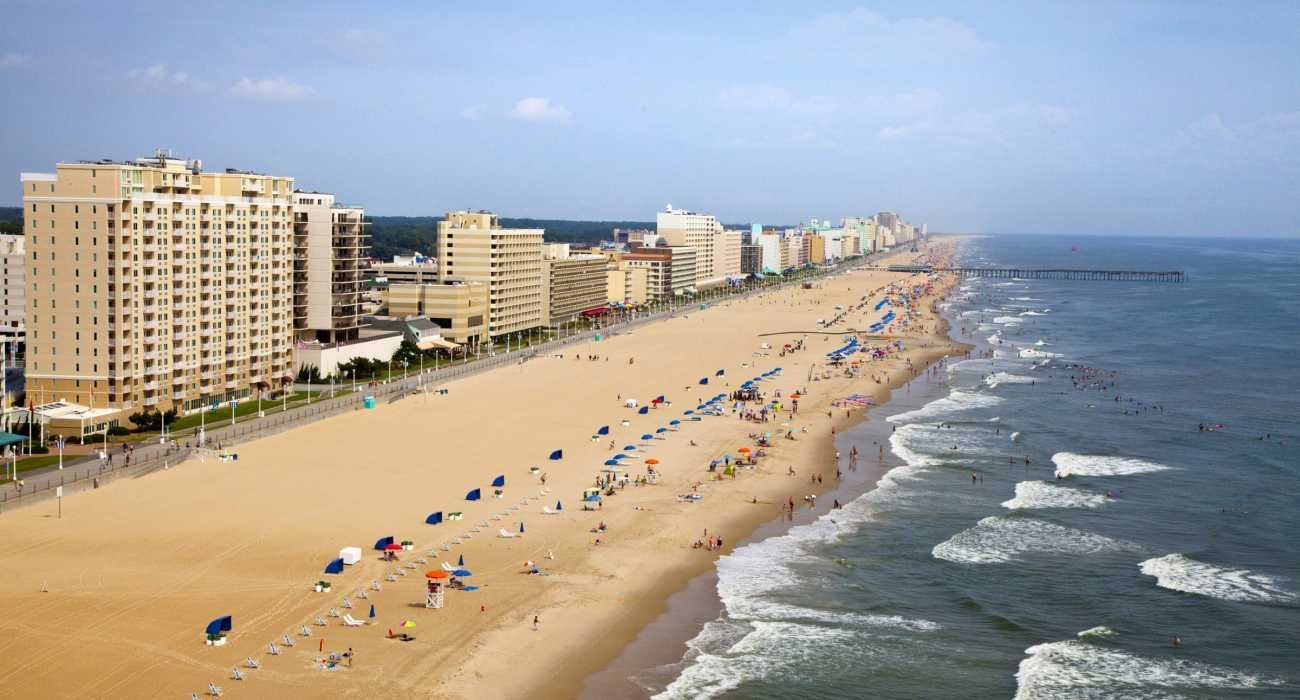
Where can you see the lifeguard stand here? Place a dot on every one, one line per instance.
(436, 589)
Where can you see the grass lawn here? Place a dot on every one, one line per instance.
(247, 408)
(27, 464)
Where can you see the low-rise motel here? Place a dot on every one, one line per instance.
(155, 285)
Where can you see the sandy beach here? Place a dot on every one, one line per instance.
(112, 598)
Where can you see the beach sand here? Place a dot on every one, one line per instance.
(112, 598)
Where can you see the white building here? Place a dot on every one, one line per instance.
(702, 232)
(13, 289)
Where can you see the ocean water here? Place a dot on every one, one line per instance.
(1020, 584)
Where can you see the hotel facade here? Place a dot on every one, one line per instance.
(154, 285)
(472, 247)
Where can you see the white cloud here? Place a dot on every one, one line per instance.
(12, 60)
(869, 35)
(270, 89)
(158, 76)
(540, 109)
(472, 113)
(766, 97)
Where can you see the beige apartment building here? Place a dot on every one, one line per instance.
(155, 285)
(459, 309)
(671, 271)
(626, 284)
(329, 246)
(575, 282)
(414, 269)
(472, 247)
(700, 232)
(13, 288)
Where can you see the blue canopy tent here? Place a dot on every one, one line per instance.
(557, 455)
(473, 495)
(500, 480)
(603, 430)
(219, 625)
(674, 422)
(383, 542)
(644, 410)
(659, 398)
(334, 567)
(434, 518)
(704, 380)
(719, 373)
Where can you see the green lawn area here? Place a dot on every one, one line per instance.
(248, 408)
(27, 464)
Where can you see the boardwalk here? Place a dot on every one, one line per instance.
(1051, 274)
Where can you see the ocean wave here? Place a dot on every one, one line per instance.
(1077, 668)
(1031, 353)
(1000, 539)
(1041, 494)
(1025, 299)
(993, 380)
(1032, 313)
(1069, 463)
(1015, 436)
(995, 339)
(1008, 320)
(1099, 631)
(954, 402)
(1178, 572)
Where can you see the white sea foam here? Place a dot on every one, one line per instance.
(1178, 572)
(1025, 299)
(993, 380)
(985, 327)
(761, 635)
(1069, 463)
(1015, 436)
(1040, 343)
(1000, 539)
(1100, 631)
(1033, 354)
(1041, 494)
(1032, 313)
(1007, 320)
(1077, 668)
(995, 339)
(968, 314)
(954, 402)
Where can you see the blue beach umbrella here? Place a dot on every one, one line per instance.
(620, 456)
(647, 436)
(661, 430)
(688, 413)
(603, 430)
(630, 448)
(674, 422)
(612, 463)
(463, 573)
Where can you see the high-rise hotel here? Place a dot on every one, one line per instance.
(154, 285)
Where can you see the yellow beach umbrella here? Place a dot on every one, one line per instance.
(408, 623)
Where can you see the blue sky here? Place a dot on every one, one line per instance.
(1097, 117)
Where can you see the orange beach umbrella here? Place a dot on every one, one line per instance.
(652, 460)
(436, 573)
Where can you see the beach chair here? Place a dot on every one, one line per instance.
(411, 564)
(546, 510)
(422, 561)
(362, 594)
(214, 690)
(445, 547)
(272, 649)
(334, 612)
(238, 675)
(250, 662)
(505, 534)
(352, 621)
(446, 566)
(374, 585)
(347, 604)
(320, 621)
(286, 640)
(391, 577)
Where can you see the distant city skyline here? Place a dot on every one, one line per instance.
(1105, 118)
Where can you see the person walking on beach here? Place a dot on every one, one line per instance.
(536, 622)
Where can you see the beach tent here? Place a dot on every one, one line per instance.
(603, 430)
(335, 567)
(499, 481)
(383, 542)
(704, 380)
(350, 555)
(659, 399)
(473, 495)
(557, 454)
(643, 410)
(434, 518)
(719, 373)
(219, 625)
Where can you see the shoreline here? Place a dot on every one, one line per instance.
(244, 537)
(662, 642)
